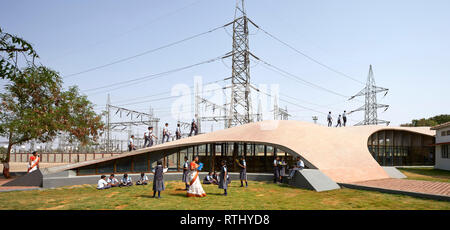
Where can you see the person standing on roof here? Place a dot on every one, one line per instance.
(330, 119)
(166, 133)
(344, 118)
(339, 121)
(131, 146)
(194, 128)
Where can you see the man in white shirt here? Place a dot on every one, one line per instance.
(178, 132)
(143, 180)
(299, 165)
(113, 181)
(151, 135)
(147, 138)
(329, 119)
(339, 121)
(102, 184)
(126, 181)
(166, 133)
(131, 146)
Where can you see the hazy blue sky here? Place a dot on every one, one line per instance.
(406, 41)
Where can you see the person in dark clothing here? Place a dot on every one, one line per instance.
(178, 132)
(276, 169)
(158, 180)
(185, 177)
(339, 121)
(194, 128)
(223, 177)
(330, 119)
(243, 171)
(344, 118)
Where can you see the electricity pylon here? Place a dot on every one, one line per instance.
(371, 106)
(240, 105)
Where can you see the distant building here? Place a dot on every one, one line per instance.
(442, 146)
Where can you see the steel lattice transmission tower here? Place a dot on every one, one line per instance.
(240, 105)
(371, 106)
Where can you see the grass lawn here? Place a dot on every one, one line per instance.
(428, 174)
(259, 195)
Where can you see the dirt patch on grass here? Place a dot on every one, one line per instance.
(55, 207)
(121, 207)
(330, 202)
(112, 194)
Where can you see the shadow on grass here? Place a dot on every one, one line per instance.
(147, 196)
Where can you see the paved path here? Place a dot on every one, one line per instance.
(409, 187)
(22, 166)
(13, 188)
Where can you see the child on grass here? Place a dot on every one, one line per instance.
(158, 180)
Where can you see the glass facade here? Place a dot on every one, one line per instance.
(260, 156)
(401, 148)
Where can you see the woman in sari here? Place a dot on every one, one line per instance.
(195, 188)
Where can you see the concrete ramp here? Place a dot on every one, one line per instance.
(313, 179)
(30, 179)
(393, 172)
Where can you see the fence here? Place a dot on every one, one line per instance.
(61, 157)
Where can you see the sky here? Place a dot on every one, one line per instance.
(406, 42)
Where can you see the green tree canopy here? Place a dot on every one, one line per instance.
(432, 121)
(11, 47)
(35, 106)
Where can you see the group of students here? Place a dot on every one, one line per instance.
(194, 187)
(344, 119)
(191, 176)
(150, 137)
(212, 178)
(279, 168)
(126, 181)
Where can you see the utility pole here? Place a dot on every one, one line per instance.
(108, 123)
(240, 104)
(371, 106)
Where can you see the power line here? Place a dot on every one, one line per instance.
(166, 92)
(152, 76)
(307, 56)
(303, 81)
(145, 52)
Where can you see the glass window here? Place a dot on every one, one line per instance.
(381, 138)
(88, 170)
(106, 168)
(140, 163)
(444, 151)
(123, 165)
(448, 132)
(443, 133)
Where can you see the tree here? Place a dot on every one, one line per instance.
(11, 48)
(432, 121)
(35, 106)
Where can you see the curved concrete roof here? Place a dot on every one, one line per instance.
(340, 153)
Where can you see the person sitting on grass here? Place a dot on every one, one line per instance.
(209, 179)
(158, 180)
(113, 181)
(143, 180)
(102, 184)
(126, 181)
